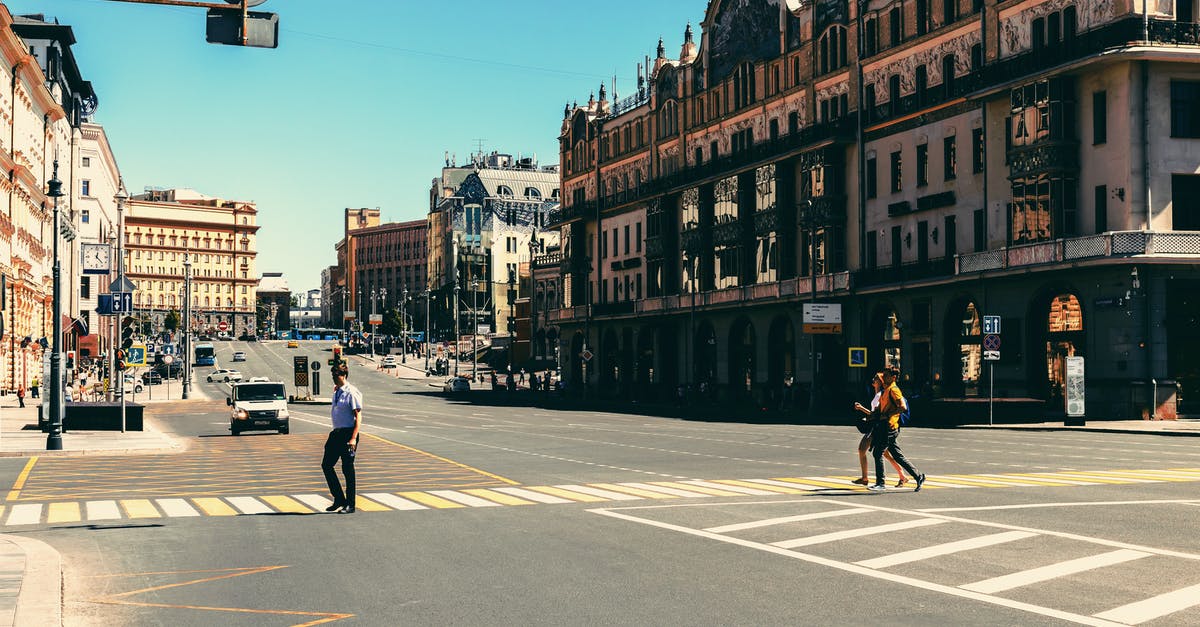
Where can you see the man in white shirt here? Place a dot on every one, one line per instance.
(346, 414)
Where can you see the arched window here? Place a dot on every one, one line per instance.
(744, 92)
(831, 49)
(504, 191)
(533, 193)
(970, 349)
(1064, 338)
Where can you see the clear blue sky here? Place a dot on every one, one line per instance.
(356, 107)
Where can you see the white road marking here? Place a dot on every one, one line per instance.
(857, 533)
(1055, 504)
(945, 549)
(536, 497)
(667, 490)
(25, 514)
(1154, 607)
(249, 505)
(730, 488)
(317, 502)
(393, 501)
(177, 508)
(755, 524)
(102, 510)
(1054, 571)
(604, 494)
(464, 499)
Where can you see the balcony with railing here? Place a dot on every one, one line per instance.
(905, 273)
(1115, 244)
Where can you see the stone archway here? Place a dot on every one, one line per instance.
(963, 354)
(781, 359)
(648, 375)
(743, 358)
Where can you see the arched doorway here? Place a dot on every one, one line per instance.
(704, 348)
(610, 353)
(884, 348)
(963, 362)
(781, 359)
(1064, 338)
(647, 376)
(742, 358)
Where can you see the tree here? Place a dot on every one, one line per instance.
(392, 324)
(295, 301)
(171, 322)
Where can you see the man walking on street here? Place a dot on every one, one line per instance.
(346, 414)
(887, 430)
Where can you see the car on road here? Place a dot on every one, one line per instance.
(388, 361)
(454, 385)
(173, 370)
(239, 356)
(258, 406)
(151, 377)
(132, 385)
(224, 375)
(293, 344)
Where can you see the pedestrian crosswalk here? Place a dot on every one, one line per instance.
(17, 514)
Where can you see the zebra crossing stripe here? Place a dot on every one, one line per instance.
(177, 508)
(697, 488)
(430, 500)
(1053, 571)
(948, 548)
(760, 485)
(25, 514)
(568, 494)
(103, 510)
(536, 497)
(627, 489)
(822, 483)
(1155, 607)
(1150, 474)
(465, 499)
(503, 499)
(729, 487)
(666, 489)
(604, 494)
(62, 512)
(391, 500)
(1051, 477)
(139, 508)
(214, 507)
(286, 505)
(367, 505)
(1100, 475)
(316, 502)
(249, 505)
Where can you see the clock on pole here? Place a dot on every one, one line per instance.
(97, 258)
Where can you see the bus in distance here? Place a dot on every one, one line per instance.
(204, 355)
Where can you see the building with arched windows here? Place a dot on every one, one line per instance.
(163, 228)
(922, 164)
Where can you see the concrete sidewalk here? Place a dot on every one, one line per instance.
(30, 582)
(1189, 427)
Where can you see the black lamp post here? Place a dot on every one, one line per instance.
(54, 437)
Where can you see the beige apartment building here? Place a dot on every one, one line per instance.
(920, 163)
(163, 228)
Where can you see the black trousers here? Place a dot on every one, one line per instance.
(337, 446)
(884, 439)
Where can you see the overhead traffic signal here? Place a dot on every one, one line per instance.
(225, 26)
(127, 332)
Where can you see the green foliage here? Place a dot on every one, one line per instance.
(392, 323)
(171, 321)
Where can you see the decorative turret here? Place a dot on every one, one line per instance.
(662, 50)
(641, 81)
(591, 105)
(661, 59)
(689, 52)
(567, 111)
(602, 106)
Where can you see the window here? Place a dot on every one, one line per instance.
(949, 11)
(872, 178)
(976, 57)
(85, 216)
(793, 123)
(950, 157)
(897, 173)
(1099, 117)
(85, 187)
(872, 37)
(626, 239)
(895, 27)
(85, 287)
(85, 162)
(504, 191)
(1101, 208)
(638, 237)
(948, 62)
(922, 165)
(533, 193)
(977, 150)
(923, 17)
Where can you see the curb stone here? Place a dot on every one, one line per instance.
(40, 599)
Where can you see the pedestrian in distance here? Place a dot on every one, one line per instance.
(21, 396)
(33, 387)
(887, 430)
(869, 416)
(342, 443)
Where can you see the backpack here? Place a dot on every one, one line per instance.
(905, 417)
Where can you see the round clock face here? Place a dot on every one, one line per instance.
(96, 257)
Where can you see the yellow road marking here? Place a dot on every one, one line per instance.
(1024, 480)
(139, 508)
(758, 486)
(63, 512)
(1150, 474)
(464, 466)
(15, 492)
(215, 507)
(498, 497)
(696, 488)
(1088, 479)
(646, 494)
(286, 504)
(435, 502)
(567, 494)
(367, 505)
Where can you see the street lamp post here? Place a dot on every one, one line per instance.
(383, 308)
(186, 355)
(534, 248)
(54, 437)
(374, 297)
(121, 198)
(404, 322)
(456, 334)
(474, 328)
(427, 338)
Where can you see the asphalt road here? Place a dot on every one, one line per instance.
(492, 514)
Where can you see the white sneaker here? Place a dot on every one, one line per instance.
(878, 487)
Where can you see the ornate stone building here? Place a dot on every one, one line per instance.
(218, 239)
(922, 164)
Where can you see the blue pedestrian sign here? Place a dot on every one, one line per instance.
(991, 325)
(136, 355)
(858, 357)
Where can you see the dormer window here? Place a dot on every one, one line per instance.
(504, 191)
(533, 193)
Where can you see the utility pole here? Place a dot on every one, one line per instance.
(187, 325)
(54, 437)
(456, 334)
(374, 297)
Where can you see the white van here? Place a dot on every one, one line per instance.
(259, 406)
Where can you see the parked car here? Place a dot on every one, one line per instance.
(455, 385)
(173, 370)
(239, 356)
(132, 385)
(293, 344)
(224, 375)
(388, 361)
(151, 377)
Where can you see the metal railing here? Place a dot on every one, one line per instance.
(1113, 244)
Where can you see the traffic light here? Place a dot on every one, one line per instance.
(337, 357)
(224, 26)
(127, 332)
(120, 359)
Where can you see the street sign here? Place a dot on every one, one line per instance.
(822, 319)
(300, 369)
(858, 357)
(136, 355)
(991, 342)
(375, 320)
(991, 325)
(586, 355)
(350, 315)
(114, 304)
(991, 355)
(316, 365)
(222, 326)
(168, 359)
